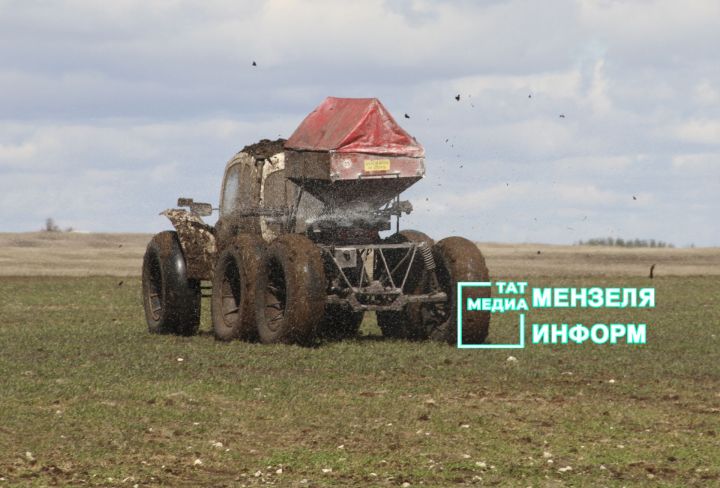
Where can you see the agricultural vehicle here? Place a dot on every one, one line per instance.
(296, 253)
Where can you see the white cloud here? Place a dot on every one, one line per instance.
(646, 24)
(596, 164)
(707, 93)
(551, 84)
(16, 155)
(598, 93)
(527, 194)
(703, 163)
(699, 131)
(165, 172)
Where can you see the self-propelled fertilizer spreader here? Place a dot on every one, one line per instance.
(296, 252)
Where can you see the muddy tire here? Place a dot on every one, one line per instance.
(400, 325)
(234, 285)
(456, 259)
(340, 323)
(170, 299)
(292, 290)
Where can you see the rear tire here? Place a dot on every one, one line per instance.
(170, 299)
(457, 259)
(401, 325)
(292, 290)
(234, 284)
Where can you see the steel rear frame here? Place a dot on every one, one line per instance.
(382, 292)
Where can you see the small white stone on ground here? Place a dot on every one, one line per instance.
(481, 464)
(278, 471)
(565, 469)
(511, 359)
(406, 484)
(197, 462)
(547, 454)
(327, 470)
(180, 360)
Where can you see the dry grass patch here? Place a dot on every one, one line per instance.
(69, 254)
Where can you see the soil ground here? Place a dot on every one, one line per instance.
(89, 398)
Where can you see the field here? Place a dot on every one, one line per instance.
(89, 398)
(69, 254)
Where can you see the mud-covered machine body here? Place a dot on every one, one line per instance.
(297, 251)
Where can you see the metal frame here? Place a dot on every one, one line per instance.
(364, 295)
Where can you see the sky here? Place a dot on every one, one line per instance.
(576, 119)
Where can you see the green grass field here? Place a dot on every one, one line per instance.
(88, 397)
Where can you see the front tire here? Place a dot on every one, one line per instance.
(170, 299)
(234, 284)
(292, 290)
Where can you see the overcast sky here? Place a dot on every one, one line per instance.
(111, 110)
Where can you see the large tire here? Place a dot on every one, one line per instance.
(400, 325)
(234, 285)
(340, 323)
(170, 299)
(457, 259)
(292, 290)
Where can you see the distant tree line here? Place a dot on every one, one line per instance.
(51, 226)
(620, 242)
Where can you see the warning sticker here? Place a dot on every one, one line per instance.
(377, 165)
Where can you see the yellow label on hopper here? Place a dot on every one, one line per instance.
(377, 164)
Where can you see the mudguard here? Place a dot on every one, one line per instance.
(197, 241)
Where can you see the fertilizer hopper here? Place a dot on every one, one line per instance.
(352, 156)
(351, 150)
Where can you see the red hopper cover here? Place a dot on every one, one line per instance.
(353, 125)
